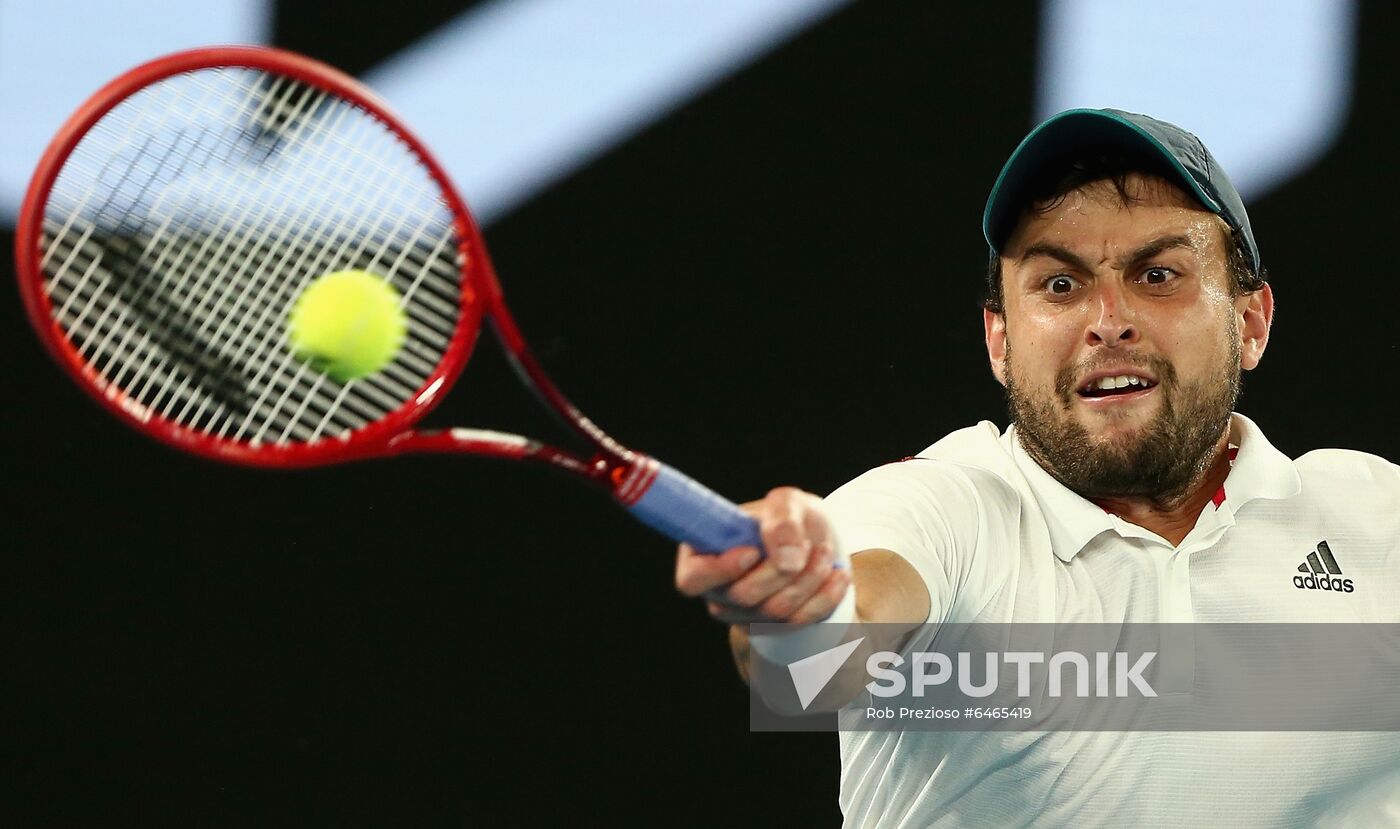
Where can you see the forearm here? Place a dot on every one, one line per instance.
(774, 685)
(739, 649)
(891, 602)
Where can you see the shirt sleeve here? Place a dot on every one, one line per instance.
(928, 512)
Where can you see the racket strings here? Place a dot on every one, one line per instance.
(186, 223)
(139, 305)
(248, 304)
(128, 165)
(376, 264)
(167, 397)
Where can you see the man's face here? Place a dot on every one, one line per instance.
(1121, 344)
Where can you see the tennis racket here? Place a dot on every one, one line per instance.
(181, 210)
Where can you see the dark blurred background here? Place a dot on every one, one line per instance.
(775, 283)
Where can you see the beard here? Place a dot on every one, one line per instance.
(1161, 462)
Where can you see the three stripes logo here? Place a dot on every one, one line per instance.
(1321, 569)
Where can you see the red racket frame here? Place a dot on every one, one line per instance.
(613, 466)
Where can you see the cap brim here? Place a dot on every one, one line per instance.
(1066, 132)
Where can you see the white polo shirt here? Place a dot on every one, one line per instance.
(997, 539)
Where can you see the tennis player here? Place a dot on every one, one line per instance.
(1125, 297)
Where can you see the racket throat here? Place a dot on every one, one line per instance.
(631, 481)
(603, 468)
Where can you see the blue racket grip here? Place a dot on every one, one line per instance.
(683, 509)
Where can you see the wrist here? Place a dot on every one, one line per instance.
(790, 644)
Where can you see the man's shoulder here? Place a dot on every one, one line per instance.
(1347, 468)
(1358, 489)
(971, 462)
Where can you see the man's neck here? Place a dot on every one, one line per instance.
(1174, 520)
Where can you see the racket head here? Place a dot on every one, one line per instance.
(190, 370)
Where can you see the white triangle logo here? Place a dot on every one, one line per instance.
(810, 675)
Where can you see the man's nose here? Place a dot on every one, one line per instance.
(1111, 322)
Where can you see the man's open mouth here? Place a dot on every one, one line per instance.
(1116, 385)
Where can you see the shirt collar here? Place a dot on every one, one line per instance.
(1258, 471)
(1073, 520)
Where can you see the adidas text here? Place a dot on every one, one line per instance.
(1333, 584)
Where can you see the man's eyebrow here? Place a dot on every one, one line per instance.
(1148, 251)
(1155, 248)
(1054, 251)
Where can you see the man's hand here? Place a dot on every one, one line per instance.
(796, 582)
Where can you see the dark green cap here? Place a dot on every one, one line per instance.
(1167, 148)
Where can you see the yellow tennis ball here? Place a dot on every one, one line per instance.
(347, 324)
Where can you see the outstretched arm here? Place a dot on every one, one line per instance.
(802, 580)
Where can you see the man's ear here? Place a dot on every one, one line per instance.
(994, 329)
(1256, 316)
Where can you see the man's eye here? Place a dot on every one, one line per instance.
(1158, 276)
(1060, 284)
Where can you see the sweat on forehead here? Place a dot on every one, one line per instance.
(1081, 211)
(1123, 190)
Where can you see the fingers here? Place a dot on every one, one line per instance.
(764, 595)
(774, 594)
(791, 524)
(824, 600)
(697, 573)
(796, 581)
(786, 601)
(809, 599)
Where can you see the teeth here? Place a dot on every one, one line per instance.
(1121, 381)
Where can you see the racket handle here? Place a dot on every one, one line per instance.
(677, 506)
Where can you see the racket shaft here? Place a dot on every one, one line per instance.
(683, 509)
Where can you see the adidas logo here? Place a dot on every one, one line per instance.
(1322, 570)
